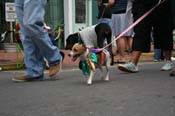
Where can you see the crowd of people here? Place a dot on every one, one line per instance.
(157, 25)
(118, 14)
(162, 33)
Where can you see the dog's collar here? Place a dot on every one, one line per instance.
(79, 39)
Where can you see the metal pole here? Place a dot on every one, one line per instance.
(11, 32)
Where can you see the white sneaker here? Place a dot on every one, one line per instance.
(167, 66)
(155, 60)
(172, 58)
(128, 67)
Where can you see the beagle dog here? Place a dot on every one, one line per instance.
(90, 66)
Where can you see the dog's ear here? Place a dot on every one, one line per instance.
(78, 48)
(74, 37)
(83, 46)
(71, 40)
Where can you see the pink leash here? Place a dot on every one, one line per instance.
(133, 25)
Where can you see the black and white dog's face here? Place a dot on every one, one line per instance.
(71, 41)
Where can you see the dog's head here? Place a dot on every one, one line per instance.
(71, 41)
(77, 50)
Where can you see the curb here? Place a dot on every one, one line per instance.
(13, 66)
(6, 67)
(148, 54)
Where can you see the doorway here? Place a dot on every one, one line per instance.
(80, 15)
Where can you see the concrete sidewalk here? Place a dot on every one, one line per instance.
(8, 61)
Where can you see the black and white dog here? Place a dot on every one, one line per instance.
(91, 37)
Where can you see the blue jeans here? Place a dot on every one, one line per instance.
(157, 54)
(106, 20)
(36, 42)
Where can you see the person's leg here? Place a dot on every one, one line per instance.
(138, 46)
(132, 65)
(162, 55)
(167, 54)
(118, 26)
(157, 45)
(129, 44)
(168, 64)
(32, 57)
(33, 22)
(35, 41)
(135, 57)
(163, 32)
(141, 40)
(121, 45)
(157, 54)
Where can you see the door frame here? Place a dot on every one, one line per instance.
(69, 16)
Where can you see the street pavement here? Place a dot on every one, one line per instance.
(150, 92)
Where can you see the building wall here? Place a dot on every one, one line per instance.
(54, 13)
(95, 12)
(54, 17)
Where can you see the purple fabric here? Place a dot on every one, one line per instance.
(95, 50)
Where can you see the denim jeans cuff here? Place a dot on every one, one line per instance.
(54, 63)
